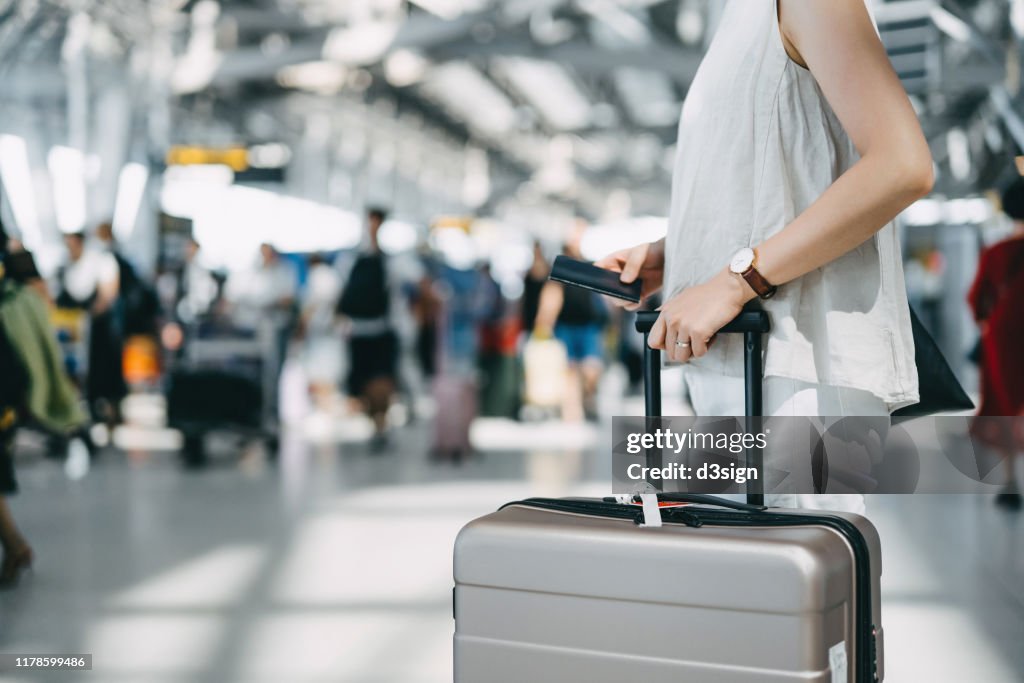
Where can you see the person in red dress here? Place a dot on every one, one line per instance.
(997, 300)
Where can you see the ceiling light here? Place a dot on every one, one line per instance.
(649, 96)
(690, 23)
(924, 212)
(456, 248)
(600, 240)
(360, 44)
(969, 211)
(614, 26)
(471, 97)
(596, 153)
(270, 155)
(131, 187)
(325, 78)
(187, 189)
(403, 68)
(476, 184)
(557, 174)
(1017, 18)
(195, 70)
(545, 29)
(396, 237)
(446, 9)
(17, 178)
(994, 138)
(958, 147)
(67, 172)
(950, 24)
(549, 89)
(233, 220)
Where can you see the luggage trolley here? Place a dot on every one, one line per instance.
(224, 381)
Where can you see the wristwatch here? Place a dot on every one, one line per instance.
(744, 264)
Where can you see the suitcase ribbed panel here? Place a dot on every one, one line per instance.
(504, 662)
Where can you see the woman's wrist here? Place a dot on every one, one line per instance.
(736, 288)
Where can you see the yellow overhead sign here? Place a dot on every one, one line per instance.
(464, 223)
(235, 158)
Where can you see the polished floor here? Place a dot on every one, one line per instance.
(335, 565)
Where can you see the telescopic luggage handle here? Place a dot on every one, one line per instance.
(751, 324)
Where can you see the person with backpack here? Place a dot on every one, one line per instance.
(370, 303)
(997, 300)
(140, 306)
(17, 268)
(33, 387)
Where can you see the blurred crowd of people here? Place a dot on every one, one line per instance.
(377, 328)
(387, 328)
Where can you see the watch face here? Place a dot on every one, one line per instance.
(742, 261)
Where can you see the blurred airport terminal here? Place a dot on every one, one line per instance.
(291, 255)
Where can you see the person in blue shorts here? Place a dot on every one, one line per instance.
(576, 317)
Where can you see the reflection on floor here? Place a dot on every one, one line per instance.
(335, 565)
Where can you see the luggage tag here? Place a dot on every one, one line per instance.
(838, 662)
(652, 512)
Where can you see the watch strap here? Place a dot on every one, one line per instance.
(761, 287)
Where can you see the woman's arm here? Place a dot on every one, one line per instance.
(838, 43)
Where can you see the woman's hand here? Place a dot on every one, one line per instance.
(690, 320)
(644, 261)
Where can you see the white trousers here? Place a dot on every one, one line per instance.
(712, 394)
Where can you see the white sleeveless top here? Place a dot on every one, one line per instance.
(758, 144)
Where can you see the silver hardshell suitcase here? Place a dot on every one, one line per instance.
(575, 590)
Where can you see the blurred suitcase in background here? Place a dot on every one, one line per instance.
(721, 592)
(545, 364)
(226, 380)
(213, 399)
(203, 400)
(456, 399)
